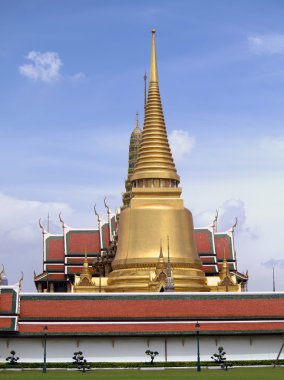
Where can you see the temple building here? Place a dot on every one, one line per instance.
(124, 253)
(142, 278)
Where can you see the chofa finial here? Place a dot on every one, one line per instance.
(61, 220)
(41, 227)
(21, 280)
(106, 206)
(98, 216)
(214, 223)
(235, 225)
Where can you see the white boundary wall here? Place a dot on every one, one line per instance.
(132, 349)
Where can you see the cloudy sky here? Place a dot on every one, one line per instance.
(71, 79)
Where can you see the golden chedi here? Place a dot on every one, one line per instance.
(135, 140)
(156, 211)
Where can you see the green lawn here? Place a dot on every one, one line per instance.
(232, 374)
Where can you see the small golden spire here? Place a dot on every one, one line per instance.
(161, 250)
(155, 159)
(86, 273)
(137, 127)
(161, 260)
(224, 272)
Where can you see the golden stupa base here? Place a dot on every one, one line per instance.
(148, 280)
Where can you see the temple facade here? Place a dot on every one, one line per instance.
(65, 257)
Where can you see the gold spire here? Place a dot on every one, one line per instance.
(135, 140)
(153, 65)
(155, 209)
(155, 159)
(161, 261)
(137, 128)
(225, 271)
(86, 270)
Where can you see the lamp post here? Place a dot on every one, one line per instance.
(197, 329)
(45, 330)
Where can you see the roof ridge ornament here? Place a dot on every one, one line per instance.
(21, 280)
(61, 220)
(108, 209)
(234, 225)
(214, 223)
(41, 227)
(98, 217)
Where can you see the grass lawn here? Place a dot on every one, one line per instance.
(232, 374)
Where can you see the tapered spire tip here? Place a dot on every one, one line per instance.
(153, 66)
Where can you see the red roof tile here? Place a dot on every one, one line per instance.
(6, 302)
(83, 307)
(144, 328)
(80, 241)
(204, 241)
(223, 246)
(54, 248)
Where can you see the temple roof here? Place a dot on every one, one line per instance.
(145, 314)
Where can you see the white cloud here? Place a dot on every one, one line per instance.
(44, 67)
(20, 235)
(274, 263)
(267, 43)
(181, 144)
(78, 77)
(17, 212)
(227, 214)
(274, 145)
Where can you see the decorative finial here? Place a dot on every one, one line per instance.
(98, 216)
(224, 258)
(214, 224)
(61, 220)
(161, 249)
(235, 225)
(86, 262)
(106, 206)
(169, 286)
(2, 273)
(273, 280)
(48, 222)
(153, 65)
(21, 281)
(41, 226)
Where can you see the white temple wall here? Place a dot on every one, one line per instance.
(132, 349)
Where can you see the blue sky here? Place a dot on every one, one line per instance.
(72, 81)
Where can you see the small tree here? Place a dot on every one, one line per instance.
(12, 359)
(80, 362)
(152, 355)
(221, 359)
